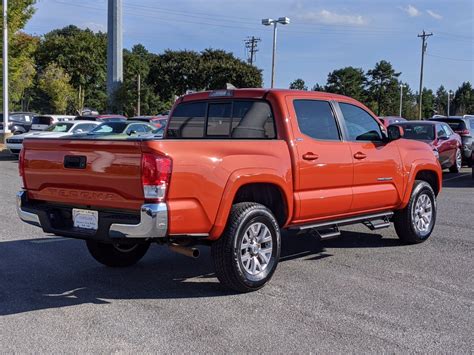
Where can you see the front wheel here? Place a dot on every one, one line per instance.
(415, 223)
(456, 167)
(247, 254)
(117, 255)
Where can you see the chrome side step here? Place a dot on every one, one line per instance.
(330, 229)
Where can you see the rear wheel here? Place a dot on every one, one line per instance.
(415, 223)
(456, 167)
(117, 254)
(247, 254)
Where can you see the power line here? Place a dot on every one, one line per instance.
(251, 44)
(447, 58)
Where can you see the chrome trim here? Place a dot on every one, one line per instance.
(346, 221)
(384, 179)
(153, 224)
(27, 217)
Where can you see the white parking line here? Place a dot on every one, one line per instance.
(48, 240)
(457, 177)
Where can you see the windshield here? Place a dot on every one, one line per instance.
(110, 128)
(59, 127)
(419, 132)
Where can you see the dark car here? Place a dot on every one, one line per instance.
(445, 143)
(464, 126)
(18, 122)
(101, 118)
(158, 121)
(387, 121)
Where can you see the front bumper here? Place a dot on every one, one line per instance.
(14, 148)
(150, 223)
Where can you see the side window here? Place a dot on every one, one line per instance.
(219, 119)
(472, 123)
(360, 125)
(440, 131)
(316, 119)
(188, 121)
(448, 130)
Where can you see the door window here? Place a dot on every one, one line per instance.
(440, 131)
(361, 126)
(448, 130)
(316, 119)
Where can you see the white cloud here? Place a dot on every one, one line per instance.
(411, 10)
(332, 18)
(434, 15)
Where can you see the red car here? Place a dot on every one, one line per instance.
(159, 121)
(387, 121)
(446, 144)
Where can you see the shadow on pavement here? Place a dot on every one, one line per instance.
(51, 273)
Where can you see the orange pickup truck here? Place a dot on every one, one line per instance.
(234, 169)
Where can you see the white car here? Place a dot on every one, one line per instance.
(57, 130)
(41, 122)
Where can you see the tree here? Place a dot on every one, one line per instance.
(55, 83)
(298, 84)
(464, 99)
(441, 101)
(83, 55)
(174, 72)
(383, 89)
(22, 46)
(317, 87)
(347, 81)
(428, 107)
(137, 64)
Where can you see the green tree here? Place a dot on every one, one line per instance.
(441, 101)
(83, 55)
(317, 87)
(383, 89)
(22, 46)
(347, 81)
(298, 84)
(464, 99)
(54, 82)
(428, 107)
(174, 72)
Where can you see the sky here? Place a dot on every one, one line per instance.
(323, 35)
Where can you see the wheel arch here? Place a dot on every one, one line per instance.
(426, 171)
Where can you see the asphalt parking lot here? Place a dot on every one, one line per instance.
(363, 292)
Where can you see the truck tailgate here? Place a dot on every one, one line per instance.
(79, 172)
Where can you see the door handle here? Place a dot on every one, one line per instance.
(310, 156)
(360, 155)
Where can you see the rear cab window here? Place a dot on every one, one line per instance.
(223, 119)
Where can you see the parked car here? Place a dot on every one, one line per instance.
(18, 122)
(101, 118)
(445, 143)
(122, 128)
(60, 129)
(235, 168)
(158, 121)
(388, 120)
(41, 122)
(464, 126)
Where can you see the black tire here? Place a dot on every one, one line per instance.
(405, 220)
(456, 167)
(228, 254)
(117, 255)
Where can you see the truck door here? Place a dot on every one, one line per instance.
(323, 165)
(378, 170)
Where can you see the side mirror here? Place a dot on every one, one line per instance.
(394, 133)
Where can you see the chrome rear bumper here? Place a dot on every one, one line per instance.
(153, 222)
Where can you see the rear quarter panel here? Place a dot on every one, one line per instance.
(207, 174)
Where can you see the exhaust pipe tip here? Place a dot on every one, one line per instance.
(186, 251)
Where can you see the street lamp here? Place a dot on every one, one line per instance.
(450, 93)
(401, 97)
(269, 22)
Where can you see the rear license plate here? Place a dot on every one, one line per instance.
(85, 219)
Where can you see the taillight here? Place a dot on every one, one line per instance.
(21, 166)
(464, 132)
(156, 174)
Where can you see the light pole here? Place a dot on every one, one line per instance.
(6, 131)
(450, 93)
(269, 22)
(401, 97)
